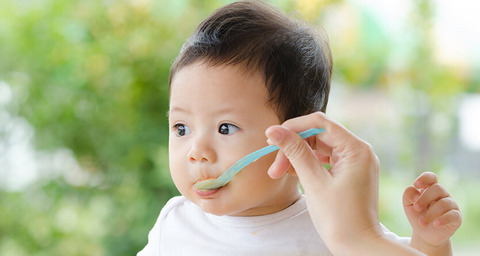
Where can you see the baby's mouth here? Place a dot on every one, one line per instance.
(201, 193)
(202, 180)
(205, 194)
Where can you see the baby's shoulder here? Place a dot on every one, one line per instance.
(174, 202)
(176, 205)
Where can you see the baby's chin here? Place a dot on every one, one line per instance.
(219, 210)
(218, 206)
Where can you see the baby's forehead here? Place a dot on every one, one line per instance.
(227, 72)
(243, 70)
(224, 84)
(248, 66)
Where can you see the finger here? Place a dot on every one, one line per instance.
(410, 196)
(432, 194)
(282, 165)
(322, 158)
(439, 208)
(426, 179)
(319, 146)
(451, 219)
(300, 155)
(279, 167)
(334, 136)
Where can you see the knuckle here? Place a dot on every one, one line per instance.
(319, 116)
(369, 146)
(454, 218)
(429, 175)
(439, 188)
(366, 147)
(456, 215)
(445, 203)
(294, 150)
(369, 151)
(410, 191)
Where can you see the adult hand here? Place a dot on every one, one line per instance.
(342, 201)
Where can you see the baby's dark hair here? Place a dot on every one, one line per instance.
(294, 58)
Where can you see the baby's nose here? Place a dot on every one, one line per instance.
(202, 151)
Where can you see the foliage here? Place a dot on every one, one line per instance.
(96, 75)
(91, 78)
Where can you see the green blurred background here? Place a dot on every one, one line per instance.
(83, 101)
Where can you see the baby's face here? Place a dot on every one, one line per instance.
(217, 116)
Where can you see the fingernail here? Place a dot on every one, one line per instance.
(422, 222)
(275, 137)
(418, 207)
(437, 223)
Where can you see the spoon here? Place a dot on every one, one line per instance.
(242, 163)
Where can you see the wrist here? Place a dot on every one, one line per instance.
(444, 249)
(355, 244)
(381, 245)
(371, 241)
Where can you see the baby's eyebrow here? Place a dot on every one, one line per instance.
(176, 109)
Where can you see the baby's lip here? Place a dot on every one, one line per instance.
(205, 193)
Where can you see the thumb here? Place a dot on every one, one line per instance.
(299, 153)
(410, 196)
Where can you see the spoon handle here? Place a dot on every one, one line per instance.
(252, 157)
(246, 160)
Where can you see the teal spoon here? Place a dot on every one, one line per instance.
(242, 163)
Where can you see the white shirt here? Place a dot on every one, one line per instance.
(184, 229)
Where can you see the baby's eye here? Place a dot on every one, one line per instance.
(227, 129)
(181, 130)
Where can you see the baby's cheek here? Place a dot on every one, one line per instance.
(179, 177)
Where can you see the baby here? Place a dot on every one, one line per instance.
(247, 67)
